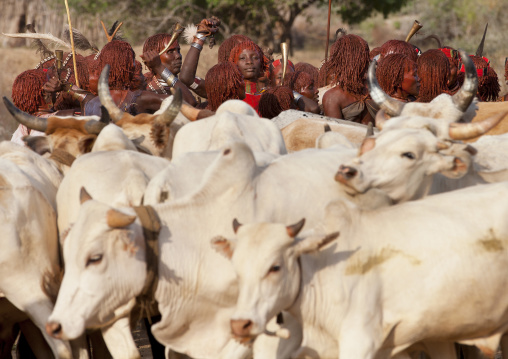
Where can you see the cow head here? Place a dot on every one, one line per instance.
(105, 269)
(74, 135)
(399, 162)
(155, 129)
(265, 258)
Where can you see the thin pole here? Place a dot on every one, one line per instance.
(72, 43)
(327, 29)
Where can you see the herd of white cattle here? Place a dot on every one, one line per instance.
(380, 247)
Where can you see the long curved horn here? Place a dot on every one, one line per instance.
(466, 131)
(94, 127)
(32, 122)
(391, 106)
(105, 96)
(177, 31)
(416, 26)
(463, 98)
(173, 109)
(479, 51)
(284, 49)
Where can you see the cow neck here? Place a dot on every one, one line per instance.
(62, 157)
(300, 285)
(151, 228)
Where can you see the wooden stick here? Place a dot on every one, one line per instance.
(72, 44)
(328, 35)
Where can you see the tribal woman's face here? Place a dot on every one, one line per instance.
(411, 82)
(172, 59)
(249, 63)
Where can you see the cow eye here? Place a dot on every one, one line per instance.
(96, 259)
(274, 269)
(409, 155)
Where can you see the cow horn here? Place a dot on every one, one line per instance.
(391, 106)
(32, 122)
(479, 51)
(94, 127)
(236, 225)
(463, 98)
(294, 229)
(117, 219)
(370, 130)
(173, 109)
(105, 96)
(465, 131)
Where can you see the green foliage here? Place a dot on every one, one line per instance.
(355, 11)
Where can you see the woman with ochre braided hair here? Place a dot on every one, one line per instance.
(488, 85)
(164, 69)
(224, 81)
(250, 60)
(434, 74)
(397, 75)
(349, 99)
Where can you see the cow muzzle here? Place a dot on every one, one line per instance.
(345, 174)
(241, 329)
(54, 329)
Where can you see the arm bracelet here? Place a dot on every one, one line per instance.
(197, 46)
(170, 79)
(195, 84)
(202, 37)
(297, 96)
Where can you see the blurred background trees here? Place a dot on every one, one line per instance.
(458, 23)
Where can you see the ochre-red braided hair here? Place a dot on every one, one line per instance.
(222, 83)
(275, 100)
(433, 71)
(374, 52)
(349, 61)
(399, 47)
(390, 71)
(300, 80)
(228, 45)
(158, 42)
(120, 56)
(308, 68)
(27, 93)
(488, 90)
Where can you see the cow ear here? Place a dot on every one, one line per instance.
(368, 144)
(223, 246)
(86, 143)
(313, 243)
(381, 118)
(38, 144)
(84, 196)
(236, 225)
(117, 219)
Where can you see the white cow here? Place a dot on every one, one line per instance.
(194, 300)
(116, 177)
(195, 315)
(402, 162)
(29, 254)
(423, 271)
(234, 120)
